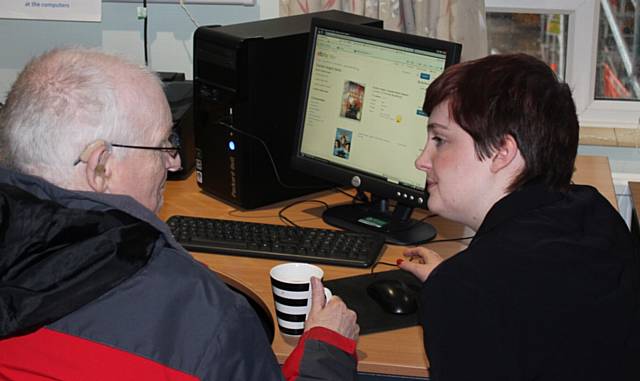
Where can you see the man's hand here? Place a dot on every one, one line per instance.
(421, 262)
(333, 314)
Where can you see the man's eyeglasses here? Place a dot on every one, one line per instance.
(172, 150)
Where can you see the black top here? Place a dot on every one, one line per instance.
(547, 290)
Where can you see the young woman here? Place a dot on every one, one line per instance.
(548, 287)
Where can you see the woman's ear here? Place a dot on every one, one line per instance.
(98, 170)
(506, 155)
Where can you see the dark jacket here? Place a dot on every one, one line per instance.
(546, 290)
(94, 287)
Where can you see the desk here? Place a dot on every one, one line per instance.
(634, 188)
(398, 352)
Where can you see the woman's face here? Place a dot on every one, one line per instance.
(455, 176)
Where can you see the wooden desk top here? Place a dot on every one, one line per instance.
(397, 352)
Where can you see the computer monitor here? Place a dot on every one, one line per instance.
(361, 122)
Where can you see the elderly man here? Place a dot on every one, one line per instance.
(93, 286)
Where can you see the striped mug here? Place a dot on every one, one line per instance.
(291, 285)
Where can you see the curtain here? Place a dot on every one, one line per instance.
(462, 21)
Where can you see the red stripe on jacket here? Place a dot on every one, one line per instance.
(51, 355)
(291, 367)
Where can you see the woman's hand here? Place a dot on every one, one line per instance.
(421, 262)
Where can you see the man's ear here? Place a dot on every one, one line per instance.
(98, 170)
(505, 155)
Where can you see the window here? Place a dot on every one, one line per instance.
(589, 43)
(618, 50)
(540, 35)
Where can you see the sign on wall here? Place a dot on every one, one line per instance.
(69, 10)
(219, 2)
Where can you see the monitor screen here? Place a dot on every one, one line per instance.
(361, 120)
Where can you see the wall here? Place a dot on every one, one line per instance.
(171, 49)
(170, 34)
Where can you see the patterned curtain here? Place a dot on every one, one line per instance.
(462, 21)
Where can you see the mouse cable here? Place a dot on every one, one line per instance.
(382, 263)
(449, 239)
(273, 163)
(285, 219)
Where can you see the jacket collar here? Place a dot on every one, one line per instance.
(532, 195)
(84, 200)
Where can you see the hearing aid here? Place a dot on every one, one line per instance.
(88, 150)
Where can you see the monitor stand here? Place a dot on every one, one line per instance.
(396, 226)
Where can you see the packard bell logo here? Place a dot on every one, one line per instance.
(232, 172)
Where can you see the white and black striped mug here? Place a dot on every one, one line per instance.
(291, 285)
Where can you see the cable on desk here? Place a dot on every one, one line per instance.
(285, 219)
(449, 239)
(382, 263)
(352, 197)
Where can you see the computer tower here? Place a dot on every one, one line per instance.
(247, 88)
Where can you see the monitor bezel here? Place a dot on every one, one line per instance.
(344, 176)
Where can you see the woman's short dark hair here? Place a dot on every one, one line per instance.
(517, 95)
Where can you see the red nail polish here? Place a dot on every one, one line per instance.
(399, 261)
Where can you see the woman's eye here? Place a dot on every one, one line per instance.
(437, 140)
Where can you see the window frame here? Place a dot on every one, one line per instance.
(581, 59)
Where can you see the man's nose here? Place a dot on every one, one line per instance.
(173, 164)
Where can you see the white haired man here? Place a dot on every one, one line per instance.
(93, 286)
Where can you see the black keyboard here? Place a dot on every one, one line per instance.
(300, 244)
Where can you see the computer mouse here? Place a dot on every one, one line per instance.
(394, 296)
